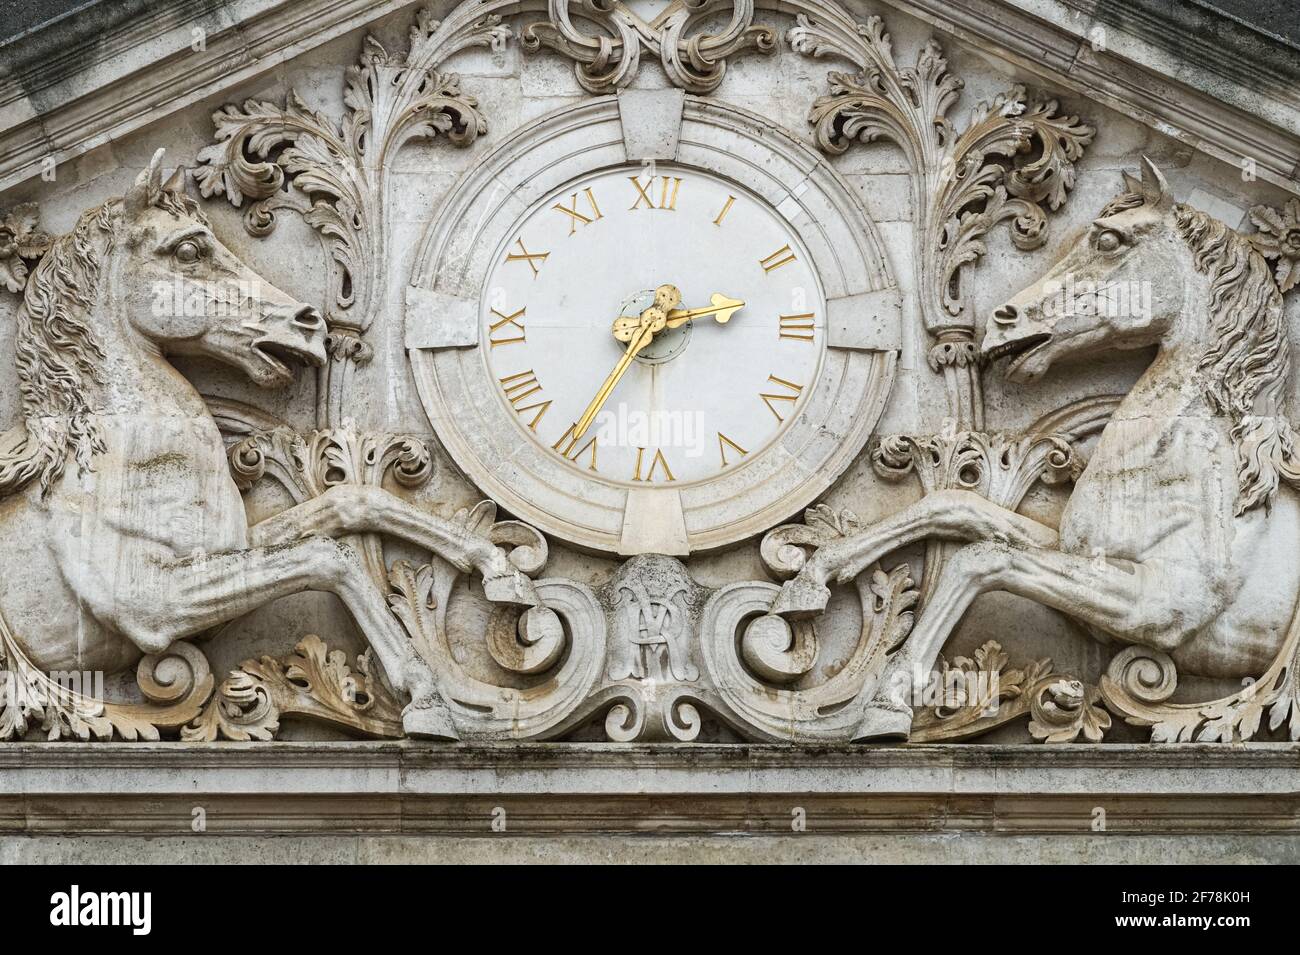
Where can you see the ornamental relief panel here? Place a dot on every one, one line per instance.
(651, 404)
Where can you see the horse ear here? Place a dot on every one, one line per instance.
(148, 186)
(155, 173)
(1155, 190)
(175, 183)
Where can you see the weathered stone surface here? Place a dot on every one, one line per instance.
(698, 375)
(562, 803)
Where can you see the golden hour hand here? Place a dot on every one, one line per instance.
(653, 319)
(721, 308)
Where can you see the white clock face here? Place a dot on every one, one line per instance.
(540, 273)
(700, 397)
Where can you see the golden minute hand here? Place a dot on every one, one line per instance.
(643, 338)
(722, 308)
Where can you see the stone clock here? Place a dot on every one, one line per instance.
(652, 324)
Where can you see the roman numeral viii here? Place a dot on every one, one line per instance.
(519, 388)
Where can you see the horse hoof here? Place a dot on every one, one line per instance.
(428, 719)
(800, 599)
(884, 722)
(511, 588)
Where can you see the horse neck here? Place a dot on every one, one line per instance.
(1172, 384)
(135, 378)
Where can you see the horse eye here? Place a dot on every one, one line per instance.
(188, 251)
(1108, 240)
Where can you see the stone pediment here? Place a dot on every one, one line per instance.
(71, 86)
(670, 372)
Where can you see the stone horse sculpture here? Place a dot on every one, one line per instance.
(124, 530)
(1181, 532)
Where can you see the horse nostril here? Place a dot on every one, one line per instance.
(308, 318)
(1006, 315)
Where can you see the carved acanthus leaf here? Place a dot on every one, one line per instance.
(1000, 467)
(1278, 239)
(978, 695)
(313, 681)
(308, 465)
(1064, 709)
(338, 170)
(1014, 162)
(1140, 680)
(751, 674)
(22, 243)
(785, 549)
(175, 685)
(566, 661)
(1014, 157)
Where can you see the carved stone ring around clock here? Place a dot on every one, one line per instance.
(722, 308)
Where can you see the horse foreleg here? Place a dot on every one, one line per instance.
(360, 509)
(947, 515)
(189, 596)
(1134, 602)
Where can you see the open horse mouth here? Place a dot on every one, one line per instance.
(1022, 347)
(284, 359)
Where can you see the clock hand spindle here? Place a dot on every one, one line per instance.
(652, 320)
(722, 308)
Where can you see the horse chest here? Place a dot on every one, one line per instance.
(1149, 482)
(169, 485)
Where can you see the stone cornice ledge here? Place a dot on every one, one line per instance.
(550, 788)
(1208, 81)
(1230, 93)
(72, 85)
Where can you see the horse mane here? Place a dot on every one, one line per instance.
(57, 352)
(1248, 360)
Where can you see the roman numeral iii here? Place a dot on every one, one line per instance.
(797, 327)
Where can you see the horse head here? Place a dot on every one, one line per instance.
(1151, 271)
(1118, 287)
(188, 294)
(138, 280)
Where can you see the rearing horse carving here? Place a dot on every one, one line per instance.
(124, 530)
(1181, 533)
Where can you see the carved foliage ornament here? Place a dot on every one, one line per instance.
(21, 243)
(1012, 163)
(339, 170)
(694, 59)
